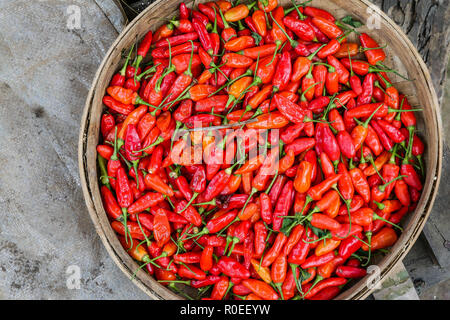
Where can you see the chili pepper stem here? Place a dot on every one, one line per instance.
(300, 218)
(230, 285)
(382, 188)
(104, 177)
(366, 123)
(127, 233)
(172, 286)
(376, 169)
(194, 196)
(146, 72)
(316, 281)
(387, 69)
(410, 144)
(369, 238)
(347, 203)
(296, 280)
(422, 168)
(295, 7)
(142, 230)
(158, 141)
(209, 203)
(233, 244)
(278, 287)
(380, 206)
(377, 217)
(272, 183)
(278, 43)
(124, 68)
(116, 146)
(139, 268)
(340, 24)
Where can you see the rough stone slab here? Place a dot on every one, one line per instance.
(437, 229)
(398, 286)
(423, 271)
(439, 292)
(114, 12)
(45, 74)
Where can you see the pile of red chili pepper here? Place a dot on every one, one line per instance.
(348, 161)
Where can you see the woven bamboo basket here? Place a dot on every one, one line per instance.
(402, 56)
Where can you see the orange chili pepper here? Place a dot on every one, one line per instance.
(233, 185)
(239, 43)
(133, 118)
(346, 49)
(252, 164)
(326, 246)
(384, 238)
(302, 181)
(153, 181)
(259, 19)
(274, 120)
(263, 272)
(261, 289)
(379, 163)
(239, 12)
(267, 5)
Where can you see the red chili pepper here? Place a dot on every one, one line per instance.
(294, 237)
(376, 54)
(326, 294)
(316, 12)
(328, 27)
(117, 106)
(284, 204)
(302, 29)
(232, 268)
(274, 251)
(112, 208)
(350, 272)
(107, 124)
(188, 257)
(342, 72)
(261, 289)
(184, 11)
(350, 245)
(220, 289)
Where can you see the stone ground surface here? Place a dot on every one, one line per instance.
(45, 74)
(432, 276)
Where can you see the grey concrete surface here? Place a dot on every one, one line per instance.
(45, 73)
(430, 269)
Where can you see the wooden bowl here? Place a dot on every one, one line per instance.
(402, 56)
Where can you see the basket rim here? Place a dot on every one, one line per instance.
(392, 259)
